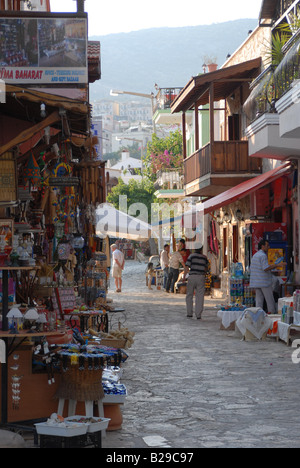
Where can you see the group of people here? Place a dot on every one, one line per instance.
(195, 266)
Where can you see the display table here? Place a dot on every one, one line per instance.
(284, 331)
(116, 317)
(36, 394)
(28, 334)
(87, 320)
(229, 317)
(6, 335)
(254, 324)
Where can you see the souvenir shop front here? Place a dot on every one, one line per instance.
(262, 208)
(57, 345)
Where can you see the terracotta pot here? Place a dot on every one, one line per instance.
(113, 412)
(212, 67)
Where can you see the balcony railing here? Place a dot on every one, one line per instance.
(171, 179)
(165, 97)
(273, 83)
(288, 71)
(222, 158)
(262, 95)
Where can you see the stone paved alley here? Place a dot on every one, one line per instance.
(191, 385)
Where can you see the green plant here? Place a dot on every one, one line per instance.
(275, 52)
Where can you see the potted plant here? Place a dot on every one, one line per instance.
(211, 63)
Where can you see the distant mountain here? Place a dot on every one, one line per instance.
(137, 60)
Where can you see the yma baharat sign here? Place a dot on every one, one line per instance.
(43, 50)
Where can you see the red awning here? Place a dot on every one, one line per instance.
(246, 188)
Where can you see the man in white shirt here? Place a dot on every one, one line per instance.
(164, 263)
(175, 261)
(118, 266)
(261, 277)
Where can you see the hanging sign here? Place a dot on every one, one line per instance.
(43, 50)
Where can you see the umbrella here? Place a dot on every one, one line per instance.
(114, 223)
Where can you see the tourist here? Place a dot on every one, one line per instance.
(183, 250)
(150, 273)
(164, 263)
(196, 268)
(118, 267)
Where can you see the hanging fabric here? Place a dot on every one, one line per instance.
(2, 352)
(215, 239)
(212, 239)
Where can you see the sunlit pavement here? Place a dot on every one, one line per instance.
(191, 385)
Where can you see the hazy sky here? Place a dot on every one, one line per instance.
(114, 16)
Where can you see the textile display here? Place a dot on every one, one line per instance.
(256, 321)
(229, 316)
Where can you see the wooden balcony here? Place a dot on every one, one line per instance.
(219, 166)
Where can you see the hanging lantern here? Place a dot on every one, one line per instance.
(31, 172)
(78, 241)
(59, 230)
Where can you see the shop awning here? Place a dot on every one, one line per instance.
(114, 223)
(246, 188)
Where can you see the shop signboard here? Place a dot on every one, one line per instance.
(43, 50)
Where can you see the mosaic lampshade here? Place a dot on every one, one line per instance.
(31, 172)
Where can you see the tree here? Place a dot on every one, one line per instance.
(136, 192)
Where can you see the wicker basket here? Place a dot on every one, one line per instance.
(114, 343)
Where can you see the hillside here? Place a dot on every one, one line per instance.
(137, 60)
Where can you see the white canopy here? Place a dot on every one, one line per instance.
(114, 223)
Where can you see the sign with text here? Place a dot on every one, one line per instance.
(43, 50)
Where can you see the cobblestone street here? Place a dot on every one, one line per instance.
(191, 385)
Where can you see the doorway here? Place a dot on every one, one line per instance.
(234, 127)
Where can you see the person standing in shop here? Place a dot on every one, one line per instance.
(175, 261)
(196, 267)
(261, 277)
(164, 263)
(118, 267)
(183, 250)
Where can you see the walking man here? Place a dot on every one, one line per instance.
(196, 266)
(118, 267)
(164, 263)
(261, 277)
